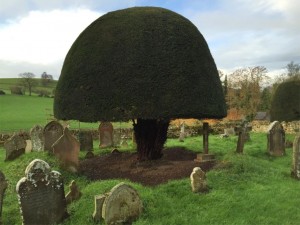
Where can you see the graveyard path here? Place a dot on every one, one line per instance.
(176, 163)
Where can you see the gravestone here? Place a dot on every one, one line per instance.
(276, 139)
(85, 140)
(198, 181)
(41, 195)
(229, 131)
(99, 200)
(296, 157)
(74, 193)
(182, 132)
(241, 140)
(117, 138)
(37, 138)
(52, 132)
(3, 186)
(122, 205)
(106, 134)
(28, 147)
(14, 146)
(66, 149)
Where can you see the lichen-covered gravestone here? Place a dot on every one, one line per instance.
(85, 140)
(52, 132)
(106, 134)
(74, 193)
(198, 181)
(122, 205)
(296, 157)
(14, 146)
(37, 138)
(276, 139)
(28, 147)
(66, 149)
(41, 195)
(3, 186)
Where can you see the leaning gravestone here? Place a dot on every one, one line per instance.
(28, 147)
(66, 149)
(122, 205)
(41, 195)
(14, 146)
(52, 132)
(276, 139)
(3, 186)
(37, 138)
(86, 140)
(296, 158)
(106, 134)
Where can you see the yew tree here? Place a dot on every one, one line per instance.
(144, 64)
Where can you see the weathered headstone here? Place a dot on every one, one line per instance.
(106, 134)
(74, 193)
(52, 132)
(99, 200)
(41, 195)
(241, 140)
(3, 186)
(198, 181)
(296, 157)
(117, 138)
(182, 132)
(66, 149)
(122, 205)
(205, 137)
(37, 138)
(276, 139)
(229, 131)
(14, 146)
(28, 147)
(85, 140)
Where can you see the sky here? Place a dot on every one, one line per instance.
(35, 35)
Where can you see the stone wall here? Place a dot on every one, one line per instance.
(262, 126)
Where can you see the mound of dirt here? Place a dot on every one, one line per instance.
(176, 163)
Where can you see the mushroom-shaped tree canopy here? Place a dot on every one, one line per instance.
(144, 63)
(285, 105)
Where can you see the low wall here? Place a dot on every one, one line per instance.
(262, 126)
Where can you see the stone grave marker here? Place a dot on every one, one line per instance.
(229, 131)
(99, 200)
(241, 140)
(198, 181)
(276, 139)
(41, 195)
(296, 157)
(182, 132)
(37, 138)
(106, 134)
(86, 140)
(52, 132)
(3, 186)
(74, 193)
(14, 146)
(28, 147)
(122, 205)
(66, 149)
(117, 138)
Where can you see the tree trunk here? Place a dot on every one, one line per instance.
(150, 136)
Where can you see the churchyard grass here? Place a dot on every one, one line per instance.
(249, 188)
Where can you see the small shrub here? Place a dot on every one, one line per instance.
(2, 92)
(43, 93)
(17, 90)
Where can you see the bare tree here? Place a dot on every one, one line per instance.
(28, 81)
(46, 79)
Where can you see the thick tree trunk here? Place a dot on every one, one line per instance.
(150, 136)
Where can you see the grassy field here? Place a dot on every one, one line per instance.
(253, 188)
(23, 112)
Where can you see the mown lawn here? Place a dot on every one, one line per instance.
(252, 188)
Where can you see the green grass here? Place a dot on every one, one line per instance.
(252, 188)
(23, 112)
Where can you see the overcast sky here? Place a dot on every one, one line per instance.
(35, 35)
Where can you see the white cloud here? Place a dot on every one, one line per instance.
(43, 37)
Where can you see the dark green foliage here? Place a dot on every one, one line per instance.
(2, 92)
(16, 90)
(285, 104)
(142, 62)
